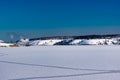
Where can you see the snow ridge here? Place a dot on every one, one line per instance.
(51, 42)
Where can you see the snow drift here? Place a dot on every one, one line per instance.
(60, 63)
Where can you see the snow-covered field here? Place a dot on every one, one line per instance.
(60, 63)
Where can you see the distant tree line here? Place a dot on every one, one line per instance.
(79, 37)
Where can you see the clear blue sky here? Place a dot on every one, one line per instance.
(59, 17)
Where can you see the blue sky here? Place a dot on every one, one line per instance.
(35, 18)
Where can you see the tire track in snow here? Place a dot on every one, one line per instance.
(60, 67)
(72, 75)
(2, 54)
(52, 66)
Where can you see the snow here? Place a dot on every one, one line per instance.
(60, 63)
(51, 42)
(24, 40)
(47, 42)
(5, 44)
(94, 42)
(76, 42)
